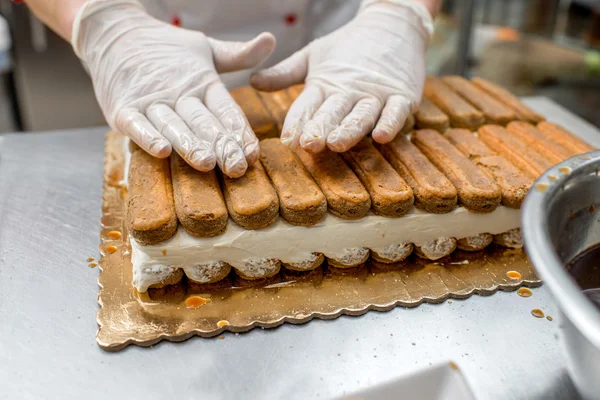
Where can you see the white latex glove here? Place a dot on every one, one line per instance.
(159, 84)
(366, 76)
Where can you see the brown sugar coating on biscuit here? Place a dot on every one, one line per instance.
(259, 118)
(523, 112)
(461, 113)
(346, 196)
(278, 103)
(513, 183)
(301, 202)
(522, 156)
(198, 200)
(476, 189)
(553, 151)
(564, 138)
(151, 216)
(429, 116)
(390, 195)
(432, 190)
(465, 141)
(251, 200)
(495, 112)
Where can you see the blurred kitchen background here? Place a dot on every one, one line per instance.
(532, 47)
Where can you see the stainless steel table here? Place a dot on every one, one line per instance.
(50, 190)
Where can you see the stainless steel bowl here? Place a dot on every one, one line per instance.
(561, 219)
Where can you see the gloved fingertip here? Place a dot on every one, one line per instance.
(235, 167)
(260, 49)
(288, 139)
(160, 148)
(336, 141)
(252, 152)
(262, 80)
(312, 144)
(382, 136)
(203, 160)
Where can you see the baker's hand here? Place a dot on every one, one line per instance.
(365, 77)
(159, 84)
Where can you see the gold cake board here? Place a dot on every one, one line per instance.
(128, 317)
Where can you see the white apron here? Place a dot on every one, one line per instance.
(293, 22)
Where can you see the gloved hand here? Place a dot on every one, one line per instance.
(366, 76)
(159, 84)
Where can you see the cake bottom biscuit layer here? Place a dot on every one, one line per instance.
(258, 254)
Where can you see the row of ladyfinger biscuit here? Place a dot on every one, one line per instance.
(435, 172)
(453, 101)
(266, 111)
(256, 269)
(450, 101)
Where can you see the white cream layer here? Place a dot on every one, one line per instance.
(288, 243)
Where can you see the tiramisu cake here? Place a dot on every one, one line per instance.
(456, 182)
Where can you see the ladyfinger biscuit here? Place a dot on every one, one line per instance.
(151, 216)
(251, 200)
(511, 239)
(461, 113)
(475, 243)
(311, 263)
(522, 156)
(258, 268)
(294, 91)
(495, 112)
(476, 189)
(564, 138)
(436, 249)
(537, 141)
(346, 197)
(523, 112)
(207, 273)
(429, 116)
(513, 183)
(390, 195)
(465, 141)
(259, 118)
(173, 279)
(278, 103)
(409, 125)
(198, 200)
(301, 202)
(349, 258)
(433, 192)
(393, 253)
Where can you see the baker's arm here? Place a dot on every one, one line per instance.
(433, 6)
(160, 84)
(58, 15)
(365, 77)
